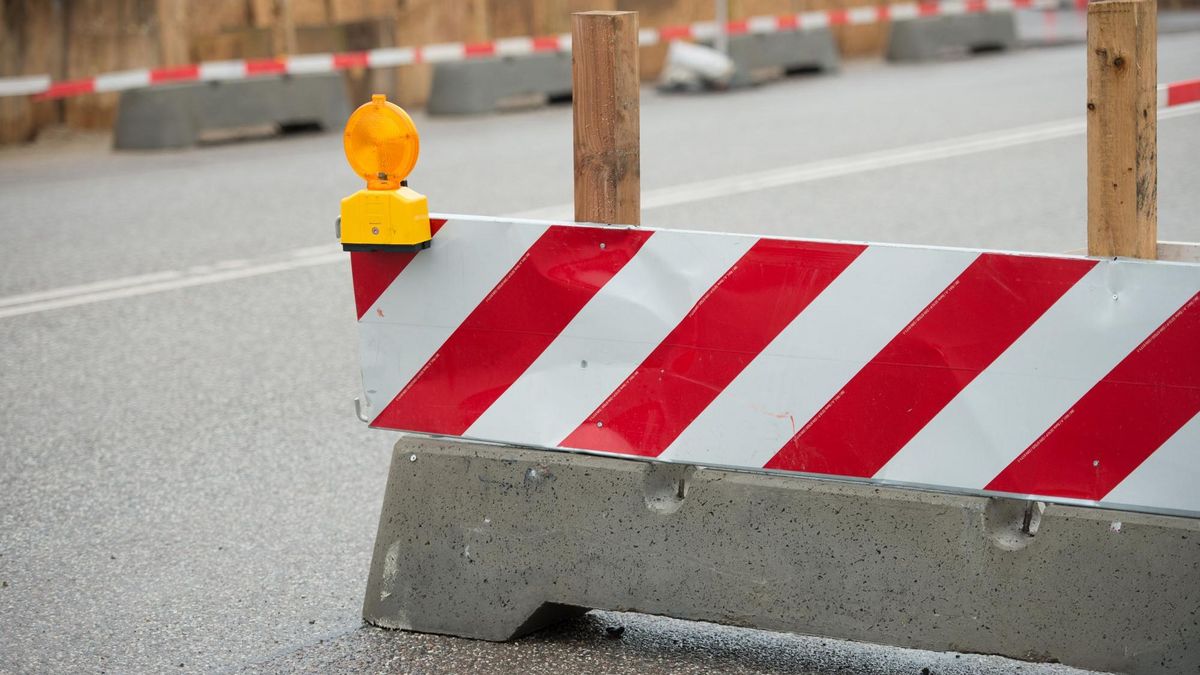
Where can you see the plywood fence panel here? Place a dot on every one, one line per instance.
(104, 36)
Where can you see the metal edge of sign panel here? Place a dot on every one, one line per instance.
(712, 233)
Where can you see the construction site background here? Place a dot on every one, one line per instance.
(72, 39)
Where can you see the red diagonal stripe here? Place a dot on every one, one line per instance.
(737, 27)
(928, 9)
(513, 325)
(265, 67)
(175, 74)
(479, 49)
(1183, 92)
(734, 321)
(374, 271)
(667, 33)
(911, 379)
(1128, 415)
(838, 17)
(65, 89)
(346, 60)
(547, 43)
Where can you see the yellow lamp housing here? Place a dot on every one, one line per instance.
(382, 145)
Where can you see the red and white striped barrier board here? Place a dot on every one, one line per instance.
(1062, 378)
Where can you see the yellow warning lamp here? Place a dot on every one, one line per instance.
(382, 145)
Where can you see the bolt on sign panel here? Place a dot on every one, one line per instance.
(1061, 378)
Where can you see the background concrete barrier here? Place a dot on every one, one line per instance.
(177, 116)
(766, 55)
(493, 542)
(931, 37)
(485, 85)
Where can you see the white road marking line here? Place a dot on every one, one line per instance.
(176, 281)
(844, 166)
(128, 287)
(83, 289)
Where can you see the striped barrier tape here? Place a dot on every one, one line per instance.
(43, 88)
(1060, 378)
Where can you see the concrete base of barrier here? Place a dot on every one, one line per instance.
(768, 55)
(175, 116)
(932, 37)
(491, 542)
(485, 85)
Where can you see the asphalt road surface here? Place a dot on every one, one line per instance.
(183, 482)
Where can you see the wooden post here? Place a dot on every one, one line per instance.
(1122, 127)
(604, 49)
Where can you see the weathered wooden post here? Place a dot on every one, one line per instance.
(605, 92)
(1122, 109)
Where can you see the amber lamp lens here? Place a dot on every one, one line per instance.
(381, 143)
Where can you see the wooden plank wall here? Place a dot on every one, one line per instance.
(31, 43)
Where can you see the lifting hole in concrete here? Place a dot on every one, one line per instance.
(1011, 524)
(666, 486)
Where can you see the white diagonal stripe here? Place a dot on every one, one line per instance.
(391, 56)
(432, 297)
(706, 30)
(452, 51)
(1167, 479)
(830, 341)
(515, 46)
(810, 20)
(1043, 373)
(20, 86)
(309, 63)
(950, 7)
(222, 70)
(123, 80)
(614, 333)
(903, 11)
(762, 24)
(857, 16)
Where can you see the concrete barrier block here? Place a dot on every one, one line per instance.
(765, 55)
(927, 38)
(492, 542)
(484, 85)
(174, 116)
